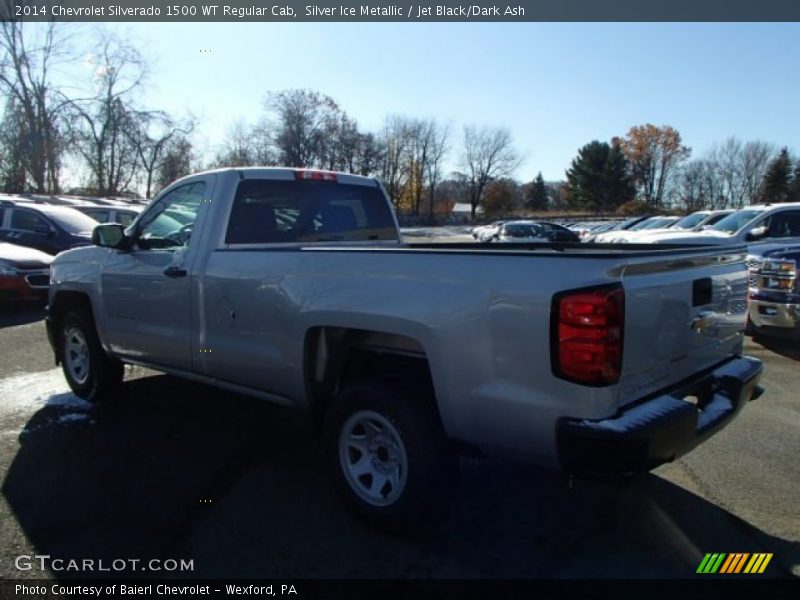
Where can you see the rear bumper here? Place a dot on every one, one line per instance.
(661, 428)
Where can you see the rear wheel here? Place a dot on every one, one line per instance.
(388, 454)
(89, 371)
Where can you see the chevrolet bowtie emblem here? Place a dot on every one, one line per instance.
(701, 322)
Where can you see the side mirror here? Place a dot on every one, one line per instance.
(108, 235)
(756, 233)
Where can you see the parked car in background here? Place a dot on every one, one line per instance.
(24, 273)
(44, 227)
(124, 215)
(754, 225)
(697, 221)
(533, 232)
(582, 228)
(558, 233)
(614, 226)
(483, 232)
(692, 222)
(592, 230)
(650, 223)
(774, 306)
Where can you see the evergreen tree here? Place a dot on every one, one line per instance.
(537, 198)
(598, 177)
(777, 180)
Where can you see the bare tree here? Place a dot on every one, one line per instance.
(655, 155)
(369, 155)
(105, 127)
(730, 175)
(152, 138)
(700, 185)
(488, 154)
(245, 146)
(303, 126)
(439, 135)
(427, 144)
(421, 139)
(395, 139)
(25, 68)
(339, 143)
(12, 146)
(755, 159)
(176, 161)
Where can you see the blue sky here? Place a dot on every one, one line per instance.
(555, 86)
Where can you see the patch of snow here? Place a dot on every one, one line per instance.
(32, 391)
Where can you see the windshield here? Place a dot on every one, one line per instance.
(654, 223)
(627, 224)
(642, 224)
(713, 219)
(71, 220)
(735, 221)
(690, 221)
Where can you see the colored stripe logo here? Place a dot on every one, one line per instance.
(734, 563)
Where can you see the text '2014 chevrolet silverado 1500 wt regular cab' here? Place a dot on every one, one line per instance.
(295, 286)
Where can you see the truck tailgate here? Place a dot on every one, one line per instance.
(682, 316)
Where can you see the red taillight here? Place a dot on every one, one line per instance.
(587, 335)
(306, 175)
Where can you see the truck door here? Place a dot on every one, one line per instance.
(146, 291)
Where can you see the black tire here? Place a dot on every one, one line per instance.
(102, 376)
(431, 464)
(749, 328)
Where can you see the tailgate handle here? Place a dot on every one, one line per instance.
(702, 291)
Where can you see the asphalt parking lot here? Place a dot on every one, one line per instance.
(177, 470)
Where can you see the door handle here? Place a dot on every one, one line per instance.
(175, 272)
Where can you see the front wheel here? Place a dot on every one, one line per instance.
(388, 454)
(89, 371)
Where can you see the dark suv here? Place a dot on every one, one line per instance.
(50, 229)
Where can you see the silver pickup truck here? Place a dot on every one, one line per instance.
(296, 286)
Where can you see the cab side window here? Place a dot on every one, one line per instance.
(159, 227)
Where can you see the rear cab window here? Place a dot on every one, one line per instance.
(267, 211)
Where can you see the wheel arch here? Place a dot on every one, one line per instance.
(335, 356)
(63, 302)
